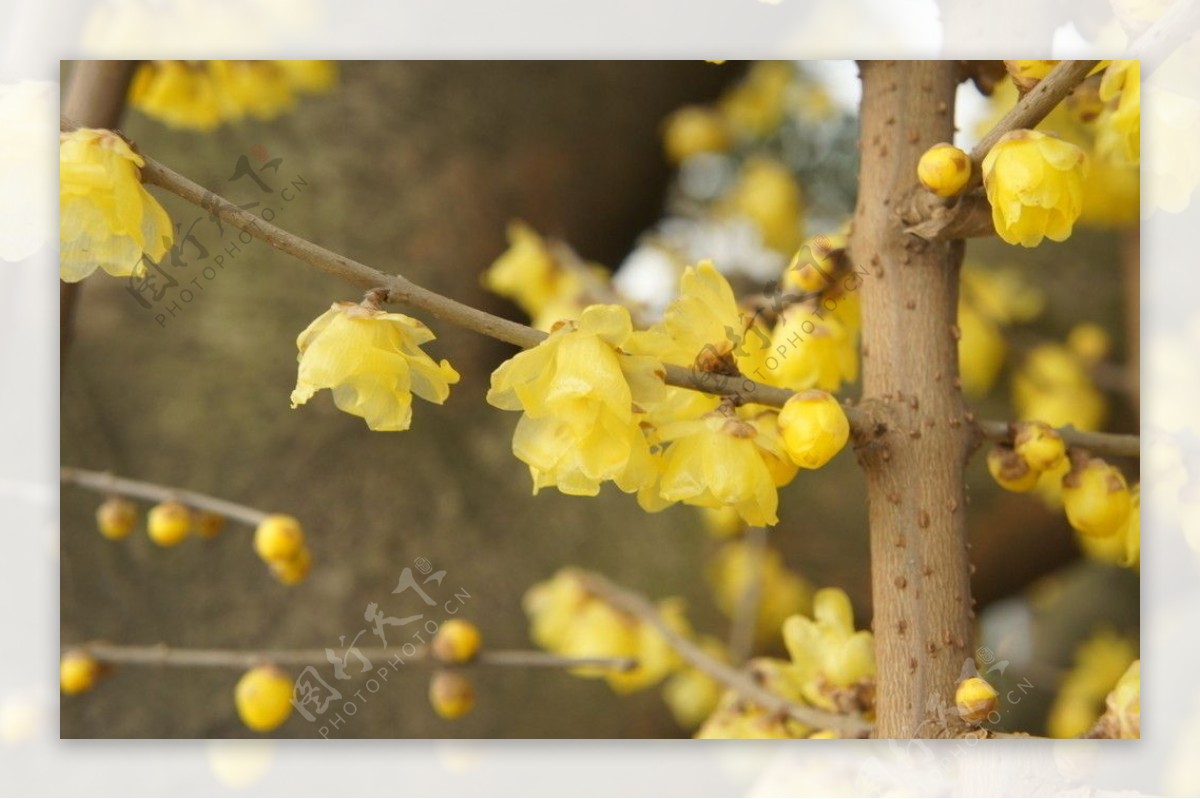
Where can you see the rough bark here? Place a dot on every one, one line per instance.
(919, 566)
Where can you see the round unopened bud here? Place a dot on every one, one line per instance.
(278, 538)
(77, 672)
(1040, 445)
(1010, 470)
(1089, 341)
(291, 572)
(263, 697)
(944, 170)
(116, 517)
(451, 694)
(456, 641)
(168, 523)
(975, 699)
(814, 428)
(1096, 497)
(208, 525)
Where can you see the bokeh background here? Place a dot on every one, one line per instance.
(417, 167)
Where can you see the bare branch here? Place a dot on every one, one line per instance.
(106, 483)
(1116, 444)
(163, 655)
(848, 725)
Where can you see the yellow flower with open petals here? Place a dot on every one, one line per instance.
(1034, 183)
(107, 218)
(826, 650)
(373, 363)
(1119, 130)
(582, 399)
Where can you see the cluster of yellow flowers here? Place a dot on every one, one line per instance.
(107, 218)
(200, 95)
(595, 408)
(831, 667)
(1099, 504)
(1053, 382)
(781, 592)
(372, 362)
(566, 618)
(1104, 662)
(990, 300)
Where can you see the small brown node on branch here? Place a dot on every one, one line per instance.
(941, 107)
(891, 120)
(931, 647)
(923, 519)
(970, 417)
(901, 582)
(910, 304)
(886, 455)
(915, 434)
(901, 627)
(955, 423)
(901, 540)
(913, 136)
(893, 497)
(927, 570)
(912, 665)
(956, 332)
(952, 504)
(914, 402)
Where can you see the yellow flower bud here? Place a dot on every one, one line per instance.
(451, 694)
(263, 697)
(767, 194)
(116, 518)
(168, 523)
(944, 170)
(975, 699)
(816, 264)
(1039, 445)
(1010, 470)
(456, 641)
(77, 672)
(1034, 183)
(1089, 341)
(1096, 498)
(1027, 74)
(208, 525)
(294, 570)
(694, 130)
(814, 428)
(278, 538)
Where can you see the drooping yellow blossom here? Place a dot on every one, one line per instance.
(567, 619)
(526, 272)
(580, 397)
(722, 459)
(944, 169)
(263, 697)
(782, 592)
(107, 218)
(1099, 665)
(1124, 548)
(723, 522)
(1001, 294)
(373, 363)
(809, 349)
(1090, 342)
(1053, 386)
(1027, 74)
(814, 428)
(693, 130)
(451, 694)
(1034, 183)
(768, 195)
(817, 263)
(692, 694)
(200, 95)
(829, 655)
(1119, 128)
(703, 329)
(1096, 497)
(1010, 470)
(1040, 445)
(975, 699)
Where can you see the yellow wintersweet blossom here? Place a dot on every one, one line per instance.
(758, 103)
(1119, 128)
(829, 655)
(702, 328)
(736, 718)
(200, 95)
(722, 459)
(107, 218)
(581, 397)
(692, 694)
(782, 592)
(1034, 183)
(1100, 662)
(810, 349)
(981, 350)
(568, 620)
(1124, 548)
(533, 276)
(768, 195)
(1052, 385)
(372, 362)
(693, 130)
(991, 298)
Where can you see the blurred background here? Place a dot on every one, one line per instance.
(418, 168)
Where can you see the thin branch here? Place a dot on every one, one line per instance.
(400, 290)
(163, 655)
(1116, 444)
(846, 725)
(106, 483)
(745, 615)
(935, 219)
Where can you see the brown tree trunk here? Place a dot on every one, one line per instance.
(919, 567)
